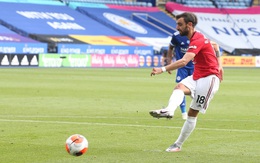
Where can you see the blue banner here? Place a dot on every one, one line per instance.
(99, 49)
(121, 20)
(23, 48)
(50, 19)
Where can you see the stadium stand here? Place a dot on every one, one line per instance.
(233, 3)
(65, 25)
(199, 3)
(114, 2)
(216, 3)
(148, 18)
(106, 22)
(48, 2)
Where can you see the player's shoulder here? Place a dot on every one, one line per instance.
(176, 36)
(177, 33)
(199, 34)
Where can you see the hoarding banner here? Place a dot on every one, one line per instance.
(257, 61)
(87, 60)
(64, 60)
(150, 61)
(112, 60)
(19, 60)
(23, 48)
(237, 61)
(99, 49)
(97, 40)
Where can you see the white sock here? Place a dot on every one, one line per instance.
(186, 130)
(175, 100)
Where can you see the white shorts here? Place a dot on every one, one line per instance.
(202, 91)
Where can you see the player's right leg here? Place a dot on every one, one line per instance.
(205, 90)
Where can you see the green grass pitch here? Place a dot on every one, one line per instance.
(41, 108)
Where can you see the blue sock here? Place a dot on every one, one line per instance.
(183, 105)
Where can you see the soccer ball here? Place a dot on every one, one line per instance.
(76, 145)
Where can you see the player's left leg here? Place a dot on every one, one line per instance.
(183, 109)
(174, 101)
(188, 127)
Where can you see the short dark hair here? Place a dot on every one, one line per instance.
(188, 17)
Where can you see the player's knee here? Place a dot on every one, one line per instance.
(193, 113)
(182, 87)
(179, 86)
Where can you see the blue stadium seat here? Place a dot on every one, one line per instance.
(199, 3)
(116, 2)
(233, 4)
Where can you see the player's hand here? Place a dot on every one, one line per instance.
(156, 71)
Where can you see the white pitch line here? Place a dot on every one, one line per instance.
(124, 125)
(104, 117)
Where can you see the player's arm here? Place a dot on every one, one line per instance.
(170, 54)
(216, 49)
(175, 65)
